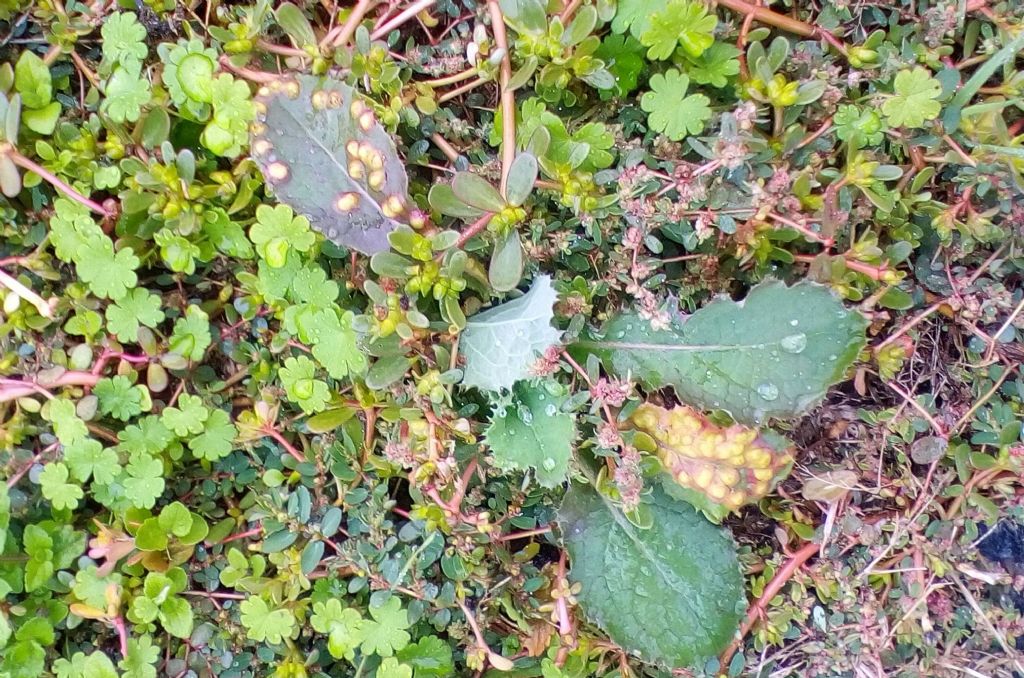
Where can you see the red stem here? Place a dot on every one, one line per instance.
(52, 179)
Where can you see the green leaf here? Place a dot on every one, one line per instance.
(716, 65)
(109, 274)
(55, 486)
(635, 15)
(345, 626)
(147, 434)
(145, 482)
(217, 439)
(324, 154)
(5, 517)
(176, 616)
(187, 418)
(682, 23)
(88, 458)
(772, 355)
(43, 120)
(335, 345)
(140, 662)
(263, 624)
(276, 230)
(127, 91)
(914, 98)
(623, 56)
(298, 378)
(32, 80)
(392, 668)
(123, 39)
(191, 335)
(672, 593)
(67, 425)
(136, 308)
(119, 398)
(430, 657)
(533, 432)
(233, 110)
(502, 343)
(858, 126)
(386, 632)
(477, 192)
(670, 110)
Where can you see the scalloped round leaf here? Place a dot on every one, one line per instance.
(672, 594)
(321, 149)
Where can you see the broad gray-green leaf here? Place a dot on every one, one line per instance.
(672, 593)
(323, 152)
(772, 355)
(533, 432)
(502, 343)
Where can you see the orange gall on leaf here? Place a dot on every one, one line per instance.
(731, 466)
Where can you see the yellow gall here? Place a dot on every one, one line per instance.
(729, 476)
(263, 91)
(759, 459)
(366, 121)
(275, 86)
(704, 476)
(683, 477)
(376, 161)
(736, 499)
(319, 100)
(763, 473)
(376, 180)
(262, 147)
(717, 491)
(346, 202)
(352, 148)
(357, 108)
(260, 107)
(291, 88)
(356, 169)
(366, 152)
(334, 99)
(258, 129)
(393, 206)
(277, 171)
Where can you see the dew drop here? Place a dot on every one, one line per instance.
(833, 358)
(768, 391)
(794, 323)
(550, 410)
(548, 464)
(499, 411)
(526, 415)
(794, 343)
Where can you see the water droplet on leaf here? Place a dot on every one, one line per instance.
(768, 391)
(794, 343)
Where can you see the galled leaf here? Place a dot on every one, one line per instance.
(672, 593)
(322, 150)
(730, 466)
(502, 343)
(772, 355)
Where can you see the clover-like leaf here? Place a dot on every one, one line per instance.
(772, 355)
(323, 152)
(672, 593)
(501, 344)
(533, 432)
(914, 98)
(670, 110)
(730, 466)
(680, 22)
(265, 624)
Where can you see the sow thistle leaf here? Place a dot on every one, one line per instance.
(672, 593)
(730, 466)
(772, 355)
(533, 432)
(502, 343)
(324, 153)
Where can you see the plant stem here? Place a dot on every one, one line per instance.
(523, 535)
(342, 35)
(52, 179)
(786, 23)
(459, 91)
(508, 102)
(283, 442)
(452, 79)
(476, 227)
(14, 285)
(259, 77)
(770, 591)
(404, 16)
(12, 389)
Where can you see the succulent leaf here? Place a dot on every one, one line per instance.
(323, 152)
